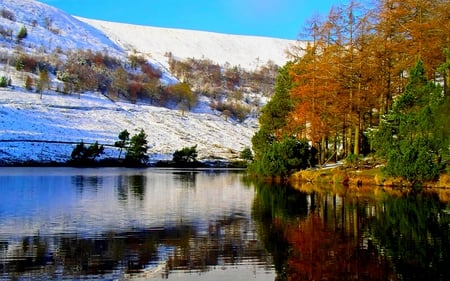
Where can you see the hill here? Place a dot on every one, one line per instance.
(42, 126)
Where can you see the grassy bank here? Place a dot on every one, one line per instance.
(360, 177)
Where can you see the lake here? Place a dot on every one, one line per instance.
(175, 224)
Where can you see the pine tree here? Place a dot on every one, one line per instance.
(137, 150)
(123, 142)
(409, 136)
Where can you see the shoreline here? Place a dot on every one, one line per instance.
(365, 177)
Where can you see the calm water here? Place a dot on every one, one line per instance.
(166, 224)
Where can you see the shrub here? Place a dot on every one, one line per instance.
(28, 83)
(5, 81)
(282, 158)
(246, 154)
(82, 155)
(186, 155)
(23, 33)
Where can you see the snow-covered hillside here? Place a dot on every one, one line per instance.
(50, 28)
(65, 118)
(248, 52)
(24, 116)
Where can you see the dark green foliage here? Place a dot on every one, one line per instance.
(82, 155)
(275, 156)
(186, 155)
(283, 157)
(414, 231)
(137, 150)
(123, 142)
(274, 113)
(246, 154)
(414, 135)
(5, 81)
(23, 33)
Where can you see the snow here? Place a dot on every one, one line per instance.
(50, 28)
(26, 120)
(248, 52)
(93, 117)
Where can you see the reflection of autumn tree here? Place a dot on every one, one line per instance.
(318, 236)
(321, 253)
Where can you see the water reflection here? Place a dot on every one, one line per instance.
(353, 236)
(151, 224)
(105, 224)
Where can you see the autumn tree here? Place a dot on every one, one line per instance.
(183, 96)
(43, 82)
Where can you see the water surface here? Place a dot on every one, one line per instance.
(172, 224)
(103, 224)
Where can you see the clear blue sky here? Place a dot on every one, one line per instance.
(273, 18)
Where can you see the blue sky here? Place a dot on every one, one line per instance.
(273, 18)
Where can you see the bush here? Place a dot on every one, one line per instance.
(82, 155)
(28, 83)
(5, 81)
(23, 33)
(246, 154)
(282, 158)
(185, 156)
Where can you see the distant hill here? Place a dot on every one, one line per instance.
(247, 52)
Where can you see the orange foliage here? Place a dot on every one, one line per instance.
(322, 253)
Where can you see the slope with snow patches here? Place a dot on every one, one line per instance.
(92, 117)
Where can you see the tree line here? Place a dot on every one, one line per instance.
(366, 70)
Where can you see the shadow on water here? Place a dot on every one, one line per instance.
(325, 236)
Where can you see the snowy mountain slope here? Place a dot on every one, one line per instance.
(24, 116)
(65, 118)
(50, 28)
(248, 52)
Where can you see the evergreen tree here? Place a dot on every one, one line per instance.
(137, 150)
(123, 142)
(410, 137)
(274, 114)
(82, 155)
(283, 157)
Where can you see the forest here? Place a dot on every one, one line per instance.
(373, 79)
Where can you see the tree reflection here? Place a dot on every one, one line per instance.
(351, 236)
(186, 178)
(137, 184)
(414, 231)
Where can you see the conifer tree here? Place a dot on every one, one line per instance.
(409, 136)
